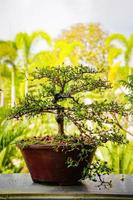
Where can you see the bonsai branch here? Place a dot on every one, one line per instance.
(81, 127)
(120, 126)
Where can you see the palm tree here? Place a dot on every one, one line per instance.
(126, 51)
(8, 54)
(24, 42)
(62, 52)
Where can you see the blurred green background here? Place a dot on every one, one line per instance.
(86, 44)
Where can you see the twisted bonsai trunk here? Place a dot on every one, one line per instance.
(60, 120)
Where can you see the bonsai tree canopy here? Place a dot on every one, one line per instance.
(61, 91)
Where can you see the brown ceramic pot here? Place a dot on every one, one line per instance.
(49, 166)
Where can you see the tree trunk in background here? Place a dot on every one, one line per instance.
(2, 97)
(26, 80)
(1, 92)
(13, 92)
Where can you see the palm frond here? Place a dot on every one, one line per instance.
(117, 37)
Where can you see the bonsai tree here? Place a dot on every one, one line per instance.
(61, 91)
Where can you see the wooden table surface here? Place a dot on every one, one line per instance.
(20, 186)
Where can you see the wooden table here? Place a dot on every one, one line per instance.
(20, 186)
